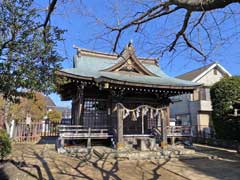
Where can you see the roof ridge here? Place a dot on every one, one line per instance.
(113, 56)
(97, 53)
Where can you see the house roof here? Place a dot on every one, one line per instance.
(125, 68)
(49, 101)
(196, 74)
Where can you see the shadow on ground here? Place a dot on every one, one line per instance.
(42, 162)
(47, 140)
(3, 175)
(215, 162)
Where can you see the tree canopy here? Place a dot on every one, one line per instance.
(35, 107)
(224, 94)
(55, 116)
(28, 55)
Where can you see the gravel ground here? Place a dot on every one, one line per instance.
(41, 161)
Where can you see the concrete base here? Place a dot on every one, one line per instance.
(141, 149)
(74, 150)
(140, 143)
(150, 155)
(109, 153)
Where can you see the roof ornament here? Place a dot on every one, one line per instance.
(130, 45)
(78, 50)
(131, 42)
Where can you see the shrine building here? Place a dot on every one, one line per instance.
(122, 97)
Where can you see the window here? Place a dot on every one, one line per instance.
(204, 94)
(215, 71)
(183, 120)
(95, 114)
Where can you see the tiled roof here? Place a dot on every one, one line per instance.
(90, 65)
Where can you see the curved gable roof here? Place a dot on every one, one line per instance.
(101, 67)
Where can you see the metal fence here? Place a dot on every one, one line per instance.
(204, 132)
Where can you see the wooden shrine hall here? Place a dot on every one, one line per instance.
(122, 97)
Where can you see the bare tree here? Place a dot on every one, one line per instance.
(200, 26)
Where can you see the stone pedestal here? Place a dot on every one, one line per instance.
(120, 146)
(164, 144)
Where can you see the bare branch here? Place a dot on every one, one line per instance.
(189, 44)
(198, 22)
(138, 22)
(50, 10)
(202, 5)
(208, 35)
(189, 29)
(116, 41)
(217, 25)
(183, 29)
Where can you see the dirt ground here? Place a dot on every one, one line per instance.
(41, 161)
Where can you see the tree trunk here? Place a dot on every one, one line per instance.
(5, 116)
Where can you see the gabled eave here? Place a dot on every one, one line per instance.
(126, 83)
(129, 53)
(70, 75)
(209, 69)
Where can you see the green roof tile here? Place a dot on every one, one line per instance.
(88, 66)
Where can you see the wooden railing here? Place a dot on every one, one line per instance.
(179, 131)
(80, 132)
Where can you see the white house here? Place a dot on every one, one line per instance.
(195, 109)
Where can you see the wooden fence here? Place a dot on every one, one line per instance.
(27, 132)
(33, 132)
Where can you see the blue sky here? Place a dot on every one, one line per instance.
(82, 31)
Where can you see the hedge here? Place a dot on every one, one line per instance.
(5, 144)
(223, 95)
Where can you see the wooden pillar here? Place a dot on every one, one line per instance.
(109, 109)
(89, 138)
(77, 106)
(62, 143)
(142, 123)
(120, 141)
(173, 140)
(73, 112)
(164, 127)
(168, 116)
